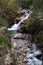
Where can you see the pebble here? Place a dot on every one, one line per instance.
(25, 60)
(14, 45)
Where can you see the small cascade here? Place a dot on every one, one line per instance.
(32, 56)
(15, 26)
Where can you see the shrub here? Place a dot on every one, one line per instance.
(3, 22)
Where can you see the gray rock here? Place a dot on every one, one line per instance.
(19, 36)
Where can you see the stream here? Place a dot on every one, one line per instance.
(25, 17)
(25, 55)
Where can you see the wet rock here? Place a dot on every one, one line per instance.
(41, 58)
(40, 46)
(38, 56)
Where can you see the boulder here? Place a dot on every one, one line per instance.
(19, 36)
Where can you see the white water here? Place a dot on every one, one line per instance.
(32, 60)
(15, 26)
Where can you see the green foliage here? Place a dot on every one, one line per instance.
(32, 4)
(3, 40)
(6, 2)
(34, 25)
(38, 4)
(3, 22)
(8, 10)
(24, 3)
(39, 36)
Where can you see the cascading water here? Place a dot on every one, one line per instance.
(15, 26)
(32, 56)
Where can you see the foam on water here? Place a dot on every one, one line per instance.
(32, 60)
(14, 27)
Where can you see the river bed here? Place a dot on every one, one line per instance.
(25, 52)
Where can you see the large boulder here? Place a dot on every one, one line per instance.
(19, 36)
(22, 36)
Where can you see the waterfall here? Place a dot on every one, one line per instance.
(15, 26)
